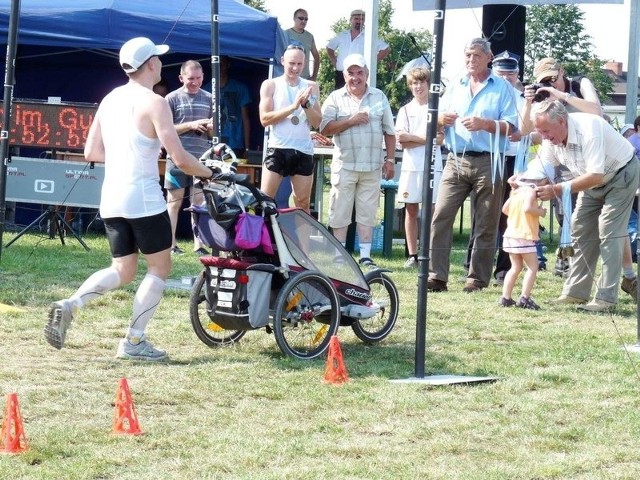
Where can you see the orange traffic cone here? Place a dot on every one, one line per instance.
(125, 419)
(12, 436)
(335, 371)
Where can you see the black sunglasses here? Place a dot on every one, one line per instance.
(303, 19)
(294, 46)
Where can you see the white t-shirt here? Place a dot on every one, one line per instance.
(344, 46)
(412, 118)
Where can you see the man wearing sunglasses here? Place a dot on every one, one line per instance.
(577, 94)
(299, 35)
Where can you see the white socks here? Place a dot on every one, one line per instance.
(365, 250)
(146, 301)
(95, 286)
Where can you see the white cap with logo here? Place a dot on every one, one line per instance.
(138, 50)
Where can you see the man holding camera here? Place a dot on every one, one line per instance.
(577, 94)
(289, 105)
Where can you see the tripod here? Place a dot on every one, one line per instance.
(57, 223)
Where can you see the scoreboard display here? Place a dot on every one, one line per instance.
(54, 126)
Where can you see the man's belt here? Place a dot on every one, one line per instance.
(473, 154)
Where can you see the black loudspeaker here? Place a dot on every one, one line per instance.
(504, 26)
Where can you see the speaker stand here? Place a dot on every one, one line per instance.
(57, 223)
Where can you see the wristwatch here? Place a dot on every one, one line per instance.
(390, 160)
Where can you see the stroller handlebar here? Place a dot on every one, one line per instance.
(225, 171)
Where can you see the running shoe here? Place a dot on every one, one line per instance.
(60, 317)
(144, 350)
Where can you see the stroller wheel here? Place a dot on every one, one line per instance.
(306, 315)
(206, 329)
(385, 294)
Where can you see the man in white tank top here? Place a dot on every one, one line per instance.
(130, 125)
(290, 106)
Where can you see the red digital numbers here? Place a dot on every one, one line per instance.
(33, 127)
(49, 125)
(76, 125)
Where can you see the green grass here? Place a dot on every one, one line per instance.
(565, 406)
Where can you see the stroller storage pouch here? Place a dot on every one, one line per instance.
(248, 230)
(239, 298)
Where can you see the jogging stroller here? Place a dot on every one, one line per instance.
(280, 270)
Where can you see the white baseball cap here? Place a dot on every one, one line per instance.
(137, 51)
(354, 59)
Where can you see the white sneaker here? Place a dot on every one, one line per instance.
(597, 305)
(411, 263)
(60, 316)
(144, 350)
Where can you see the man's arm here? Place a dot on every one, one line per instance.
(578, 184)
(201, 126)
(269, 116)
(332, 56)
(474, 124)
(388, 166)
(334, 127)
(314, 113)
(316, 60)
(383, 53)
(94, 147)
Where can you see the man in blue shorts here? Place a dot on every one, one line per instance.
(130, 125)
(192, 116)
(289, 106)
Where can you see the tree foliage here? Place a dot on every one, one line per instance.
(402, 51)
(257, 4)
(557, 31)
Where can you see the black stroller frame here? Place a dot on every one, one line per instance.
(301, 284)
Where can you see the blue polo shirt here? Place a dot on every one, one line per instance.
(493, 101)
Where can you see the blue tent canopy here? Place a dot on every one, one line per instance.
(106, 24)
(69, 48)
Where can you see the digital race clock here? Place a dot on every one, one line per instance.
(49, 125)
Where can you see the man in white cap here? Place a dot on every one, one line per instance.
(351, 41)
(359, 118)
(131, 124)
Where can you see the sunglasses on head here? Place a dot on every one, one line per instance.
(295, 46)
(303, 19)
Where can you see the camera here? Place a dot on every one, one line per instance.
(543, 95)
